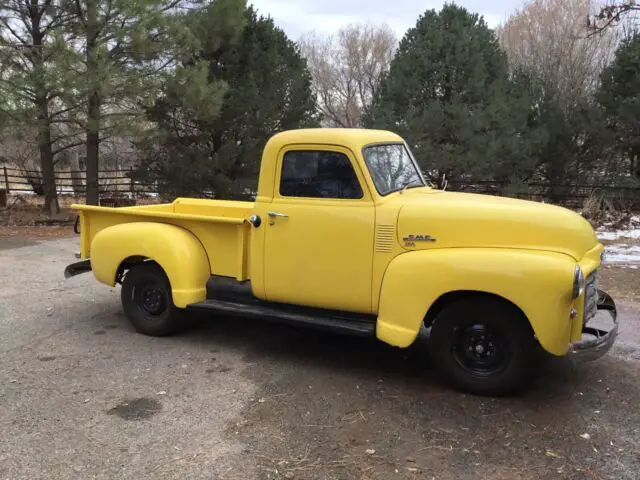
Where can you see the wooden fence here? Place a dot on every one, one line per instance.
(569, 195)
(72, 182)
(121, 183)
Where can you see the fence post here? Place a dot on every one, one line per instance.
(6, 179)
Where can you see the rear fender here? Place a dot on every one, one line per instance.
(176, 250)
(539, 283)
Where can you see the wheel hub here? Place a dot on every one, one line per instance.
(479, 349)
(152, 299)
(479, 343)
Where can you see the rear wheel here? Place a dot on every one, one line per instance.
(148, 303)
(482, 345)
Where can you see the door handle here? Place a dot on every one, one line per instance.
(277, 214)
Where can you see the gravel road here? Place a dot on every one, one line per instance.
(82, 396)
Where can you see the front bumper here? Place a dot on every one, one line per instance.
(596, 342)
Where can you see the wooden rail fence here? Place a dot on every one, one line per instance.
(72, 182)
(114, 183)
(569, 195)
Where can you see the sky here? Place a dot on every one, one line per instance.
(296, 17)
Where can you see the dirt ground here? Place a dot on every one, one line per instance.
(83, 396)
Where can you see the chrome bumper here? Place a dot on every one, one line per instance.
(596, 342)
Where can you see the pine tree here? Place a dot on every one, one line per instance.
(450, 94)
(222, 106)
(620, 96)
(33, 52)
(123, 46)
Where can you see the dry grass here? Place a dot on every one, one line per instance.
(598, 210)
(21, 212)
(36, 233)
(27, 211)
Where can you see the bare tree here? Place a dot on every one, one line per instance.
(346, 69)
(547, 37)
(19, 147)
(613, 13)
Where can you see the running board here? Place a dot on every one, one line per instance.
(304, 316)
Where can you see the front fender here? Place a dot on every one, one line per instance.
(176, 250)
(539, 283)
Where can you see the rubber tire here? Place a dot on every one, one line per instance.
(499, 315)
(170, 322)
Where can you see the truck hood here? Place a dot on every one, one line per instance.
(453, 220)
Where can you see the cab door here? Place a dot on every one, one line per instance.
(319, 231)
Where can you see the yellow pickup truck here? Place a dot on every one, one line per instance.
(346, 234)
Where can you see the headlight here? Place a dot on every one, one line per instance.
(578, 282)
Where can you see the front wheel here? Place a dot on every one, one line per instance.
(483, 346)
(148, 303)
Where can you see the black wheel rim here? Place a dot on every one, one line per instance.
(480, 349)
(151, 298)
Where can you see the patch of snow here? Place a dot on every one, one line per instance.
(631, 230)
(622, 253)
(621, 258)
(22, 192)
(616, 234)
(622, 248)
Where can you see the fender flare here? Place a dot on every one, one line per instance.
(176, 250)
(537, 282)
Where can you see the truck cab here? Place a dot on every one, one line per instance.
(329, 227)
(345, 233)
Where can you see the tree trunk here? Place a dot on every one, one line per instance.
(93, 110)
(93, 146)
(51, 205)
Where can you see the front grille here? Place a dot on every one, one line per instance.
(591, 297)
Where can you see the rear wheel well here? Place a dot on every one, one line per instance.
(148, 302)
(128, 263)
(452, 297)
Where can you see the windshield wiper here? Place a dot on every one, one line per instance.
(406, 185)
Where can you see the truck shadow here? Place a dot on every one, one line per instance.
(266, 344)
(332, 397)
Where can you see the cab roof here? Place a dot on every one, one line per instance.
(352, 138)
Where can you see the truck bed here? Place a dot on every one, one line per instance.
(220, 225)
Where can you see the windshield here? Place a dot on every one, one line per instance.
(392, 167)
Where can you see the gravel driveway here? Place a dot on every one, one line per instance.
(82, 396)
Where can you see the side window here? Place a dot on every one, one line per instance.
(320, 174)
